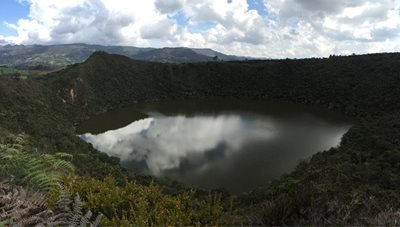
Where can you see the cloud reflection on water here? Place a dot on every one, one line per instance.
(233, 151)
(166, 143)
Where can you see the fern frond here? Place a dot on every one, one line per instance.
(64, 156)
(63, 200)
(98, 220)
(71, 217)
(40, 171)
(19, 207)
(44, 181)
(85, 220)
(77, 211)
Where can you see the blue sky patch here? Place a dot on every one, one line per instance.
(179, 17)
(257, 5)
(202, 27)
(10, 12)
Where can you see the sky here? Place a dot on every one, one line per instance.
(259, 28)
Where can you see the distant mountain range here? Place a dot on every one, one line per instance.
(66, 54)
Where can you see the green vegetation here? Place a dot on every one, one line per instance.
(351, 184)
(356, 183)
(121, 204)
(23, 208)
(39, 171)
(136, 204)
(11, 72)
(56, 56)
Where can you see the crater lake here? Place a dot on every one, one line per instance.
(236, 145)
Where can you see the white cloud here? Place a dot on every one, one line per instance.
(109, 22)
(163, 29)
(340, 27)
(290, 28)
(169, 6)
(234, 22)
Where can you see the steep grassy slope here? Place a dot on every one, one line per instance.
(356, 183)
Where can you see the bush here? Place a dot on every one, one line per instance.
(134, 204)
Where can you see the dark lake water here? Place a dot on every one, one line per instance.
(236, 145)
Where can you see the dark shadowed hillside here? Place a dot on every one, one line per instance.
(346, 84)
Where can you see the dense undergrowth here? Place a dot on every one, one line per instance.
(31, 196)
(355, 183)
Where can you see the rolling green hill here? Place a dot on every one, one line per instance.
(173, 55)
(357, 183)
(57, 56)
